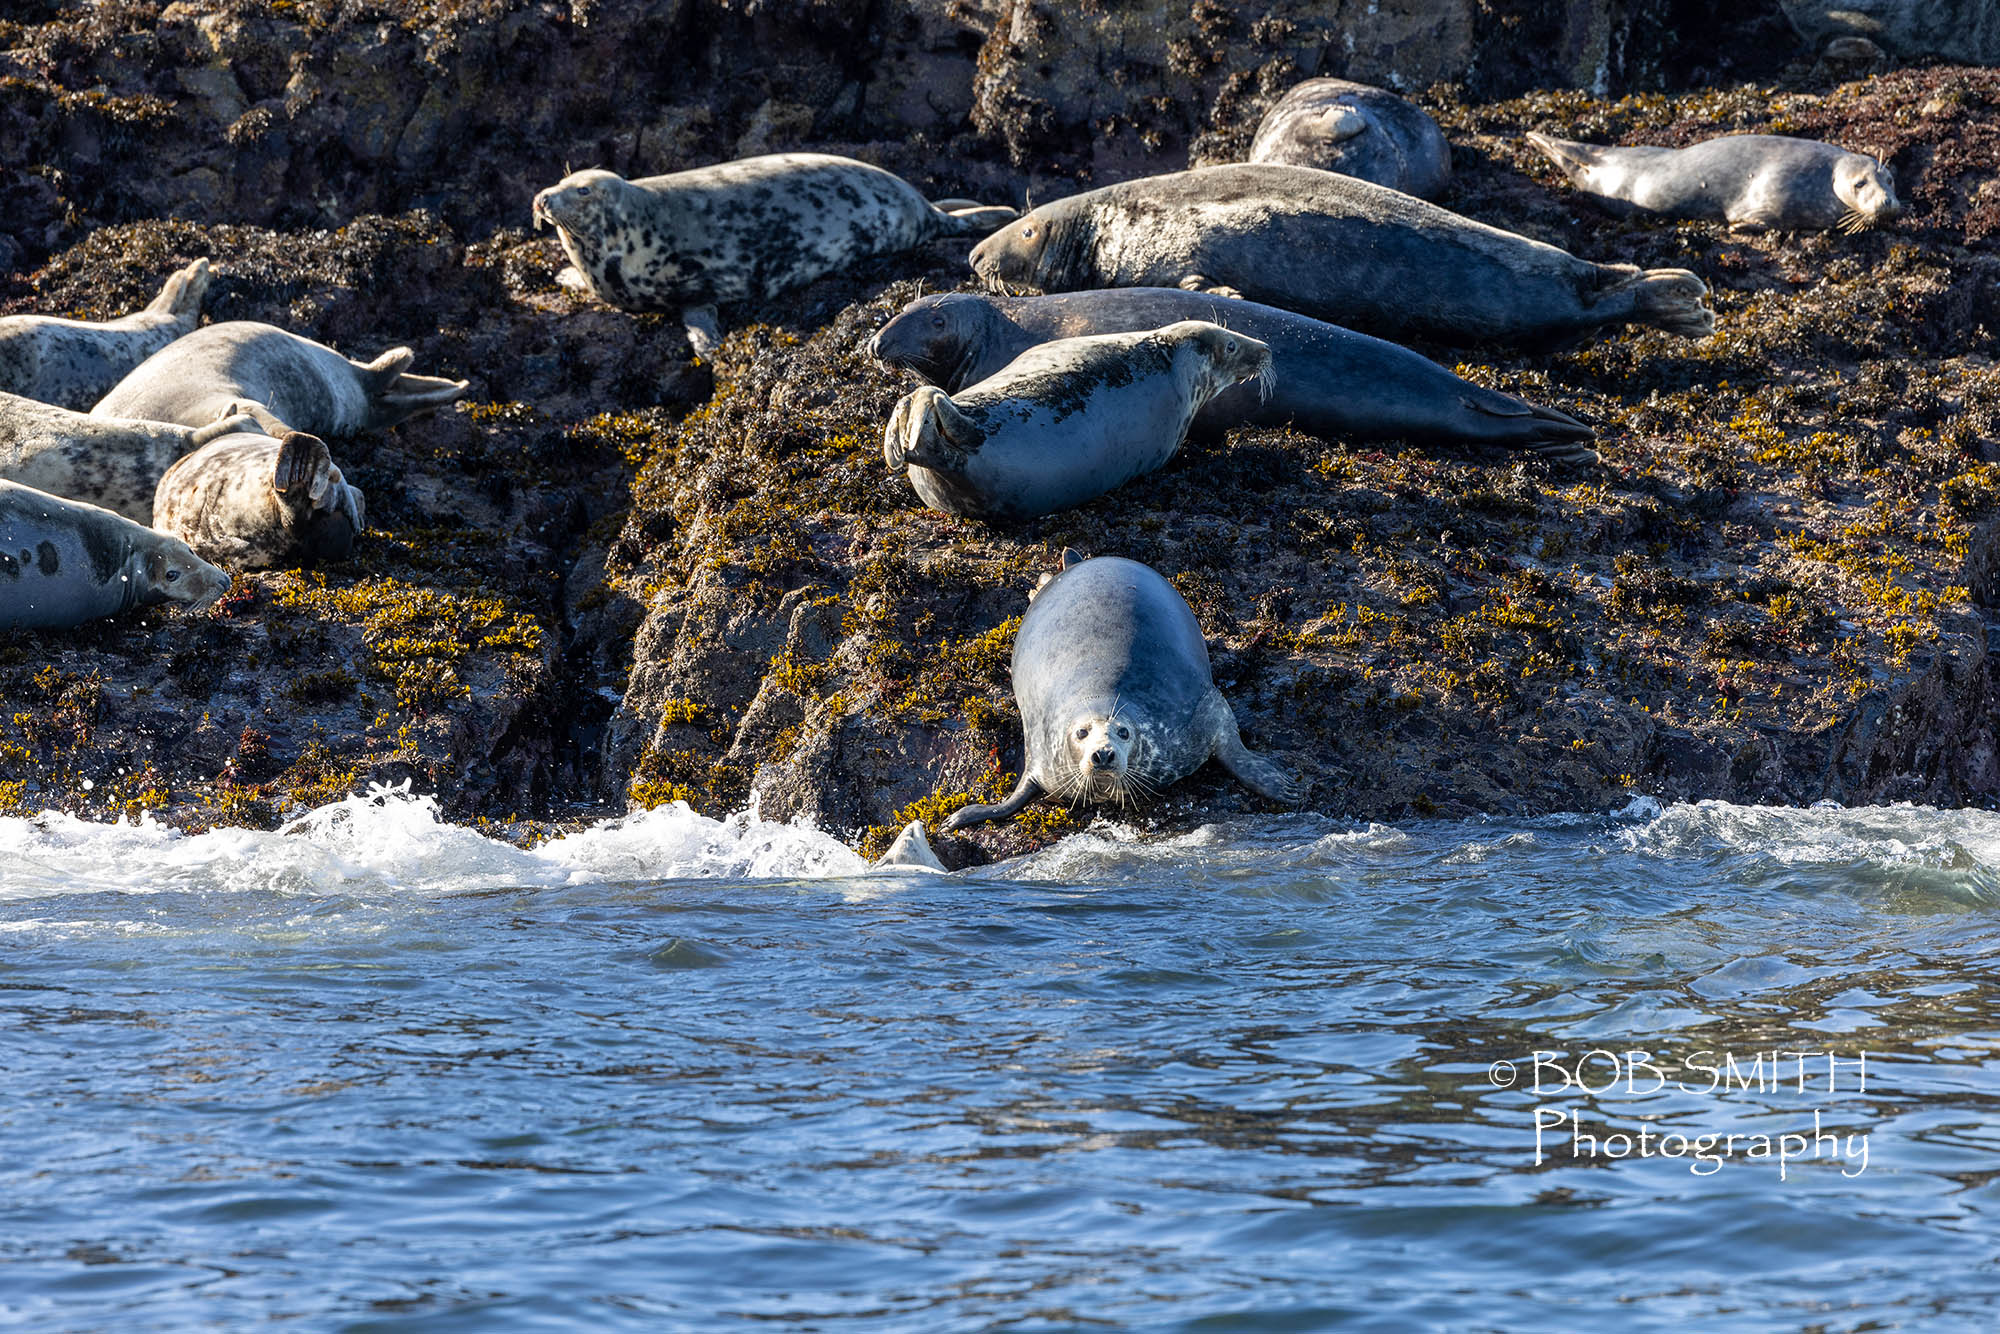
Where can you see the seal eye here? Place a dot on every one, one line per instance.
(173, 576)
(1229, 345)
(937, 321)
(1082, 733)
(582, 191)
(1028, 232)
(1124, 734)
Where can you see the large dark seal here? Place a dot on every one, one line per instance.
(109, 461)
(1326, 380)
(63, 562)
(1065, 421)
(72, 364)
(1357, 131)
(286, 382)
(752, 228)
(1335, 248)
(1754, 182)
(1117, 701)
(252, 502)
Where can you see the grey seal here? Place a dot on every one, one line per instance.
(1117, 699)
(1750, 181)
(286, 382)
(63, 562)
(248, 501)
(1326, 380)
(1358, 131)
(736, 230)
(1346, 251)
(114, 462)
(73, 363)
(1066, 421)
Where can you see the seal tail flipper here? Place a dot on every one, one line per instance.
(1516, 423)
(911, 851)
(1245, 765)
(229, 423)
(972, 219)
(182, 294)
(1024, 792)
(1669, 299)
(1573, 159)
(394, 395)
(304, 469)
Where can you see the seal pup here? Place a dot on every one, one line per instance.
(1326, 380)
(1753, 182)
(750, 228)
(1066, 421)
(251, 502)
(63, 562)
(110, 461)
(1342, 250)
(1359, 131)
(286, 382)
(1117, 700)
(72, 363)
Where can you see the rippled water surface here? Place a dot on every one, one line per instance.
(379, 1073)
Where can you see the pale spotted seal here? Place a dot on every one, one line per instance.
(1326, 380)
(252, 502)
(110, 461)
(63, 562)
(1111, 673)
(1065, 421)
(72, 364)
(1338, 249)
(751, 228)
(1753, 182)
(1357, 131)
(286, 382)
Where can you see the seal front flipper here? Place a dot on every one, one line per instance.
(1245, 765)
(304, 469)
(928, 430)
(1200, 282)
(1024, 792)
(704, 329)
(1669, 299)
(229, 423)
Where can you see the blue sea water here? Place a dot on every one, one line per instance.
(377, 1072)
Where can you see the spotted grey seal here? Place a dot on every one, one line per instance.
(72, 363)
(1750, 181)
(286, 382)
(110, 461)
(63, 562)
(1342, 250)
(750, 228)
(1117, 701)
(251, 502)
(1065, 421)
(1357, 131)
(1325, 379)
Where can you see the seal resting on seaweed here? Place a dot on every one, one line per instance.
(73, 363)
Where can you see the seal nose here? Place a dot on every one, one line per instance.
(1103, 757)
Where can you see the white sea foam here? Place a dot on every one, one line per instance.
(1824, 835)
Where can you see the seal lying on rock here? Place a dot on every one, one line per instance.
(1326, 380)
(252, 502)
(1117, 701)
(1335, 248)
(751, 228)
(1358, 131)
(1750, 181)
(108, 461)
(63, 562)
(286, 382)
(1066, 421)
(72, 364)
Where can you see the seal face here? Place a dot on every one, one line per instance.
(1338, 249)
(1359, 131)
(1325, 380)
(1117, 701)
(1750, 181)
(72, 363)
(1066, 421)
(248, 501)
(63, 562)
(286, 382)
(109, 461)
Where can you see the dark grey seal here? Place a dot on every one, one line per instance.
(1357, 131)
(1326, 380)
(72, 363)
(1065, 421)
(1335, 248)
(1754, 182)
(1117, 701)
(286, 382)
(110, 461)
(736, 230)
(63, 562)
(252, 502)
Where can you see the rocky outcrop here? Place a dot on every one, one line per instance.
(1964, 32)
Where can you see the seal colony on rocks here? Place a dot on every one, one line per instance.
(73, 364)
(114, 462)
(252, 502)
(1117, 701)
(1338, 249)
(1359, 131)
(63, 562)
(1066, 421)
(1325, 380)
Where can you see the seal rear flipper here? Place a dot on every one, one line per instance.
(1024, 792)
(1574, 159)
(182, 294)
(910, 851)
(973, 219)
(704, 329)
(414, 394)
(1523, 425)
(1340, 123)
(304, 469)
(1669, 299)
